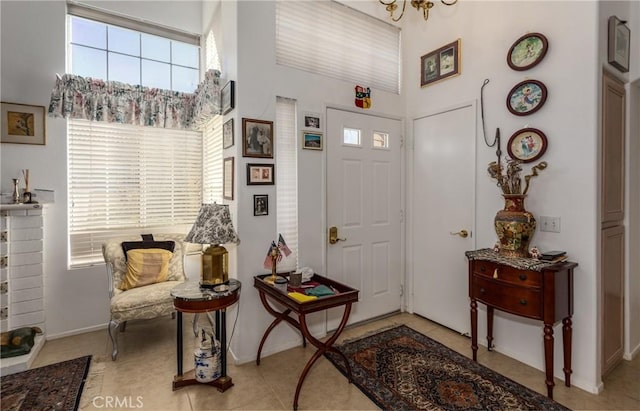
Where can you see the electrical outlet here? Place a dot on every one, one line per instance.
(550, 224)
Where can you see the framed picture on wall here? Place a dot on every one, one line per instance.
(526, 97)
(527, 145)
(313, 121)
(257, 138)
(227, 179)
(227, 134)
(311, 140)
(618, 48)
(22, 123)
(228, 98)
(260, 204)
(440, 64)
(260, 174)
(527, 51)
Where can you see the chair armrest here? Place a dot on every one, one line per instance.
(110, 278)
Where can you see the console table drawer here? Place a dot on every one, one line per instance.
(507, 274)
(516, 300)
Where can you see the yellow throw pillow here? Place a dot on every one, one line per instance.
(146, 266)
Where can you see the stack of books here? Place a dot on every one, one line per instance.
(554, 256)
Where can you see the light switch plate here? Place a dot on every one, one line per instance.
(550, 224)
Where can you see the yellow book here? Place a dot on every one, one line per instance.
(303, 298)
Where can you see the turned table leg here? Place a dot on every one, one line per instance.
(548, 358)
(474, 329)
(566, 349)
(489, 328)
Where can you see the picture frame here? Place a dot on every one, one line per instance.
(257, 138)
(260, 204)
(227, 178)
(527, 144)
(312, 140)
(227, 97)
(526, 97)
(618, 44)
(227, 134)
(22, 124)
(312, 121)
(441, 63)
(527, 52)
(260, 174)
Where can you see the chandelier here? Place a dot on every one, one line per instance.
(425, 5)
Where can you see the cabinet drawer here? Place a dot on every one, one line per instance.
(507, 274)
(518, 300)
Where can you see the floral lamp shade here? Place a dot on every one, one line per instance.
(213, 226)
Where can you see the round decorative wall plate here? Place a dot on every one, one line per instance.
(527, 51)
(526, 97)
(527, 145)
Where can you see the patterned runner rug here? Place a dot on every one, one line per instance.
(52, 387)
(401, 369)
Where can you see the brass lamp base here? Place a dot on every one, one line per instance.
(215, 266)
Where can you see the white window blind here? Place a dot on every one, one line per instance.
(331, 39)
(125, 180)
(212, 58)
(212, 161)
(287, 178)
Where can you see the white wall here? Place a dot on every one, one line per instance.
(260, 80)
(567, 188)
(33, 51)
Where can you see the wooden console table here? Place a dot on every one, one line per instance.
(345, 297)
(525, 287)
(188, 297)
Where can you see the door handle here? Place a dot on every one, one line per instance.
(461, 233)
(333, 235)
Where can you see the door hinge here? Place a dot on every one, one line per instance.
(401, 216)
(401, 141)
(401, 290)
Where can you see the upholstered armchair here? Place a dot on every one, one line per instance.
(142, 300)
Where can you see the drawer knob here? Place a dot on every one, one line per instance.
(482, 291)
(483, 269)
(495, 273)
(523, 277)
(523, 302)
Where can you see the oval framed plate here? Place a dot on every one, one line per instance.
(527, 145)
(527, 51)
(526, 97)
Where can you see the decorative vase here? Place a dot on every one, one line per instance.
(15, 196)
(515, 226)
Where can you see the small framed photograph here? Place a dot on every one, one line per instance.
(527, 51)
(440, 64)
(260, 204)
(260, 174)
(257, 138)
(526, 97)
(228, 97)
(227, 134)
(618, 47)
(227, 178)
(313, 121)
(22, 123)
(311, 140)
(527, 145)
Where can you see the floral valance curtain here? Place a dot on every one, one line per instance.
(97, 100)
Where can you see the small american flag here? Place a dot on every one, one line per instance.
(283, 246)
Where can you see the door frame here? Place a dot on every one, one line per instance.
(403, 195)
(409, 212)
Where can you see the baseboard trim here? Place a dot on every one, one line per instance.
(77, 331)
(629, 356)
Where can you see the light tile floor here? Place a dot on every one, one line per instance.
(141, 377)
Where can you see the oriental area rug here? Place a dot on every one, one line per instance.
(401, 369)
(52, 387)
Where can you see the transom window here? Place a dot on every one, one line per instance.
(114, 53)
(380, 139)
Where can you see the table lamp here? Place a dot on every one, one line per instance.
(213, 226)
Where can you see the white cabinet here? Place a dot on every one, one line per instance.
(21, 275)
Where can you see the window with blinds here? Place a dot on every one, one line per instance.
(212, 161)
(129, 180)
(328, 38)
(287, 178)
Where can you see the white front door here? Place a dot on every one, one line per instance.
(443, 203)
(364, 204)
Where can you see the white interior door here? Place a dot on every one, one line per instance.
(364, 204)
(443, 203)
